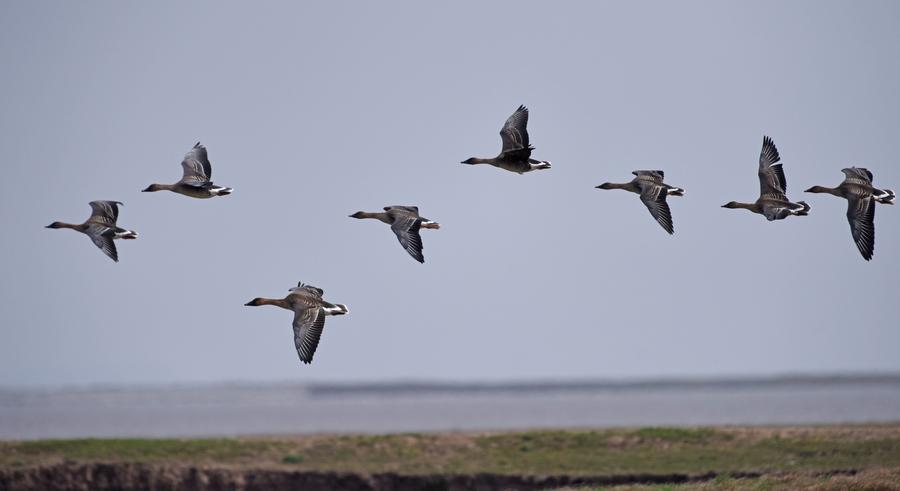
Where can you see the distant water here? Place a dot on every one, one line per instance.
(224, 410)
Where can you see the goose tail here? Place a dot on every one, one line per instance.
(676, 192)
(801, 210)
(885, 197)
(222, 191)
(337, 309)
(537, 164)
(126, 235)
(430, 224)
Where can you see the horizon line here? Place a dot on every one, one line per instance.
(421, 385)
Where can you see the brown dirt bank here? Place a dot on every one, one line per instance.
(141, 477)
(698, 458)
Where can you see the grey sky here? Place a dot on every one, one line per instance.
(314, 111)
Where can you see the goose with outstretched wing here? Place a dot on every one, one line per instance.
(196, 177)
(101, 227)
(515, 156)
(310, 311)
(772, 202)
(861, 197)
(653, 192)
(406, 223)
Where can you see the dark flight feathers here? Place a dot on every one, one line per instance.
(197, 169)
(515, 133)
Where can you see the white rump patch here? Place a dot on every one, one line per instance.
(335, 310)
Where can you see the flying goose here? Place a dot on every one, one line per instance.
(309, 316)
(861, 197)
(101, 227)
(516, 153)
(405, 222)
(196, 179)
(649, 184)
(772, 202)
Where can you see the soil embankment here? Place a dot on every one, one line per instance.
(782, 458)
(143, 477)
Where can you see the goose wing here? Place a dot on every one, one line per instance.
(655, 175)
(514, 132)
(104, 212)
(861, 215)
(858, 173)
(771, 173)
(196, 167)
(406, 227)
(308, 325)
(303, 288)
(654, 197)
(102, 236)
(410, 209)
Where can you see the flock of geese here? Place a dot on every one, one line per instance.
(310, 309)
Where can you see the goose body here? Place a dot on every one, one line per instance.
(515, 155)
(101, 227)
(310, 311)
(861, 197)
(405, 222)
(772, 202)
(653, 192)
(195, 181)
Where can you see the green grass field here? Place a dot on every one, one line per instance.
(784, 455)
